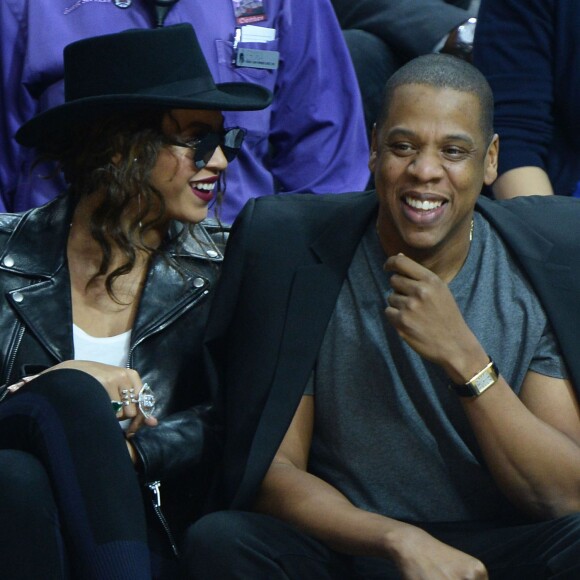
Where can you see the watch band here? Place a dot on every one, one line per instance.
(479, 383)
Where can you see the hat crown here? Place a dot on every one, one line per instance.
(136, 62)
(162, 68)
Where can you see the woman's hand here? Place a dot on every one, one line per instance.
(118, 382)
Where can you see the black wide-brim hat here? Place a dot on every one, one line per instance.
(151, 68)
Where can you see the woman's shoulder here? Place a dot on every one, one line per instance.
(8, 223)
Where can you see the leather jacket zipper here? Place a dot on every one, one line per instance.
(13, 353)
(155, 486)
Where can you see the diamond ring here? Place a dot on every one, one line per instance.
(146, 401)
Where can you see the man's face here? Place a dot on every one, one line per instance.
(430, 160)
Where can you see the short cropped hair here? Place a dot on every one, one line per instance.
(446, 72)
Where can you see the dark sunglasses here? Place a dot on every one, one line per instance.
(203, 148)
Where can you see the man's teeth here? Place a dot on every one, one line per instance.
(423, 205)
(204, 186)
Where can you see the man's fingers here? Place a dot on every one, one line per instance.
(406, 267)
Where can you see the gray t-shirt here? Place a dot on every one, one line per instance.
(389, 434)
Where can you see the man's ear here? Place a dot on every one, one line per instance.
(491, 161)
(374, 152)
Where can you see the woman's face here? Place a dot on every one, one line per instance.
(187, 190)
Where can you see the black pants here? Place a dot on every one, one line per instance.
(70, 502)
(244, 545)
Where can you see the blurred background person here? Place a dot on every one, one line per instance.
(529, 50)
(382, 35)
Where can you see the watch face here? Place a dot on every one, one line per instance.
(479, 383)
(485, 380)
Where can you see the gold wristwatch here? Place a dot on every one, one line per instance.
(479, 383)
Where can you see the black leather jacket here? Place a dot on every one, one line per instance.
(36, 323)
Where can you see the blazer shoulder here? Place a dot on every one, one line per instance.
(554, 217)
(301, 213)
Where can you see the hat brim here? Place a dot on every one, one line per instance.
(56, 123)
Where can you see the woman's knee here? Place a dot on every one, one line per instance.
(70, 389)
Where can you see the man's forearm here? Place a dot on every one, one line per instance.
(320, 510)
(536, 465)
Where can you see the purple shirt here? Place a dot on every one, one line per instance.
(311, 139)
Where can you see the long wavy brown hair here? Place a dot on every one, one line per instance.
(114, 155)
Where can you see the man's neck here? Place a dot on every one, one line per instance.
(445, 259)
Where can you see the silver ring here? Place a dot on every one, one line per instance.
(146, 401)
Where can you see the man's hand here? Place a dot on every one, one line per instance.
(425, 314)
(419, 556)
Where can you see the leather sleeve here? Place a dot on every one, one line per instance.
(181, 442)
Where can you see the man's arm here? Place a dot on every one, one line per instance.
(522, 181)
(292, 494)
(531, 444)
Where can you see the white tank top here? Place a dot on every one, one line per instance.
(110, 350)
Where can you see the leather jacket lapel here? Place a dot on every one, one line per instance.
(174, 285)
(45, 308)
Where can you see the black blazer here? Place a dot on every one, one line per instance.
(286, 260)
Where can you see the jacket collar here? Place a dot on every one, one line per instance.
(37, 250)
(35, 247)
(337, 243)
(513, 229)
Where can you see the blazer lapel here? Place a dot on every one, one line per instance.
(314, 292)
